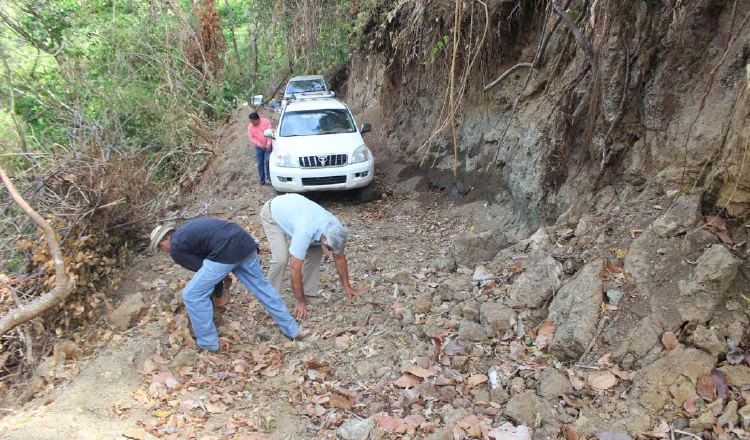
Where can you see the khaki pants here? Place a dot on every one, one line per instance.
(277, 241)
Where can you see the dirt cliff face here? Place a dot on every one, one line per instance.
(663, 106)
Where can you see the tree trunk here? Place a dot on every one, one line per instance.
(231, 32)
(63, 284)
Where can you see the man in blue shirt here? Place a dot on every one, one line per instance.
(213, 248)
(298, 230)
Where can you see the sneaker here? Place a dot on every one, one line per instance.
(262, 182)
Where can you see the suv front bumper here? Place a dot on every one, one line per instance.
(345, 177)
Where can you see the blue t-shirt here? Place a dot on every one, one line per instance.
(210, 239)
(301, 219)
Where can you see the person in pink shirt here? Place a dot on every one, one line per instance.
(262, 144)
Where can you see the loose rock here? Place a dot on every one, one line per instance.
(575, 311)
(356, 429)
(125, 315)
(471, 331)
(525, 407)
(535, 285)
(497, 318)
(469, 249)
(552, 383)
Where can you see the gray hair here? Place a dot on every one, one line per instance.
(336, 236)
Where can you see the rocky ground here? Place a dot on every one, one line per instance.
(630, 321)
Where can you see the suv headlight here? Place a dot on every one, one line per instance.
(360, 154)
(285, 160)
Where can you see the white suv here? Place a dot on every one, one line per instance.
(318, 147)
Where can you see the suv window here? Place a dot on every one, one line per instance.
(303, 86)
(315, 122)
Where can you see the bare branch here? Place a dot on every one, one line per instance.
(63, 284)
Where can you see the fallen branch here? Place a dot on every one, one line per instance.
(63, 284)
(500, 78)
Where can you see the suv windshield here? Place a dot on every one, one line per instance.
(314, 122)
(303, 86)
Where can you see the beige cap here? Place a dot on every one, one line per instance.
(158, 234)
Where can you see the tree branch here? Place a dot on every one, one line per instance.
(582, 42)
(63, 283)
(500, 78)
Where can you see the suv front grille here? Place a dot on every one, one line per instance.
(328, 180)
(331, 160)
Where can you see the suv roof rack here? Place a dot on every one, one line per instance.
(312, 95)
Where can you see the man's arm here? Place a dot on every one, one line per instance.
(343, 270)
(295, 267)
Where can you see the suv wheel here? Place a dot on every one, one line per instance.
(366, 194)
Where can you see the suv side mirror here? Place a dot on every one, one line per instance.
(269, 133)
(333, 94)
(365, 128)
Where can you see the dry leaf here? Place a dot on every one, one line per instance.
(149, 366)
(406, 381)
(136, 434)
(669, 340)
(159, 359)
(602, 380)
(339, 401)
(575, 381)
(706, 387)
(215, 408)
(476, 379)
(420, 372)
(692, 405)
(545, 334)
(389, 423)
(570, 433)
(721, 379)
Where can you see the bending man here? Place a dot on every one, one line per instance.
(213, 248)
(298, 230)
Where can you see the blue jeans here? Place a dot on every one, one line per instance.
(197, 298)
(262, 159)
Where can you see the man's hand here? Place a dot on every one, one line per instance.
(352, 293)
(300, 310)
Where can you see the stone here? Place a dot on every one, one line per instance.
(714, 272)
(402, 276)
(709, 339)
(706, 420)
(482, 275)
(744, 414)
(125, 315)
(470, 248)
(614, 296)
(729, 417)
(527, 406)
(575, 311)
(423, 303)
(552, 383)
(684, 213)
(453, 287)
(737, 375)
(470, 310)
(497, 318)
(652, 383)
(443, 263)
(536, 284)
(356, 429)
(471, 331)
(187, 357)
(682, 390)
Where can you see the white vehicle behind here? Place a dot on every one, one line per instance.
(318, 147)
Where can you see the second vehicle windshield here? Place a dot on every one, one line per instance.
(303, 86)
(314, 122)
